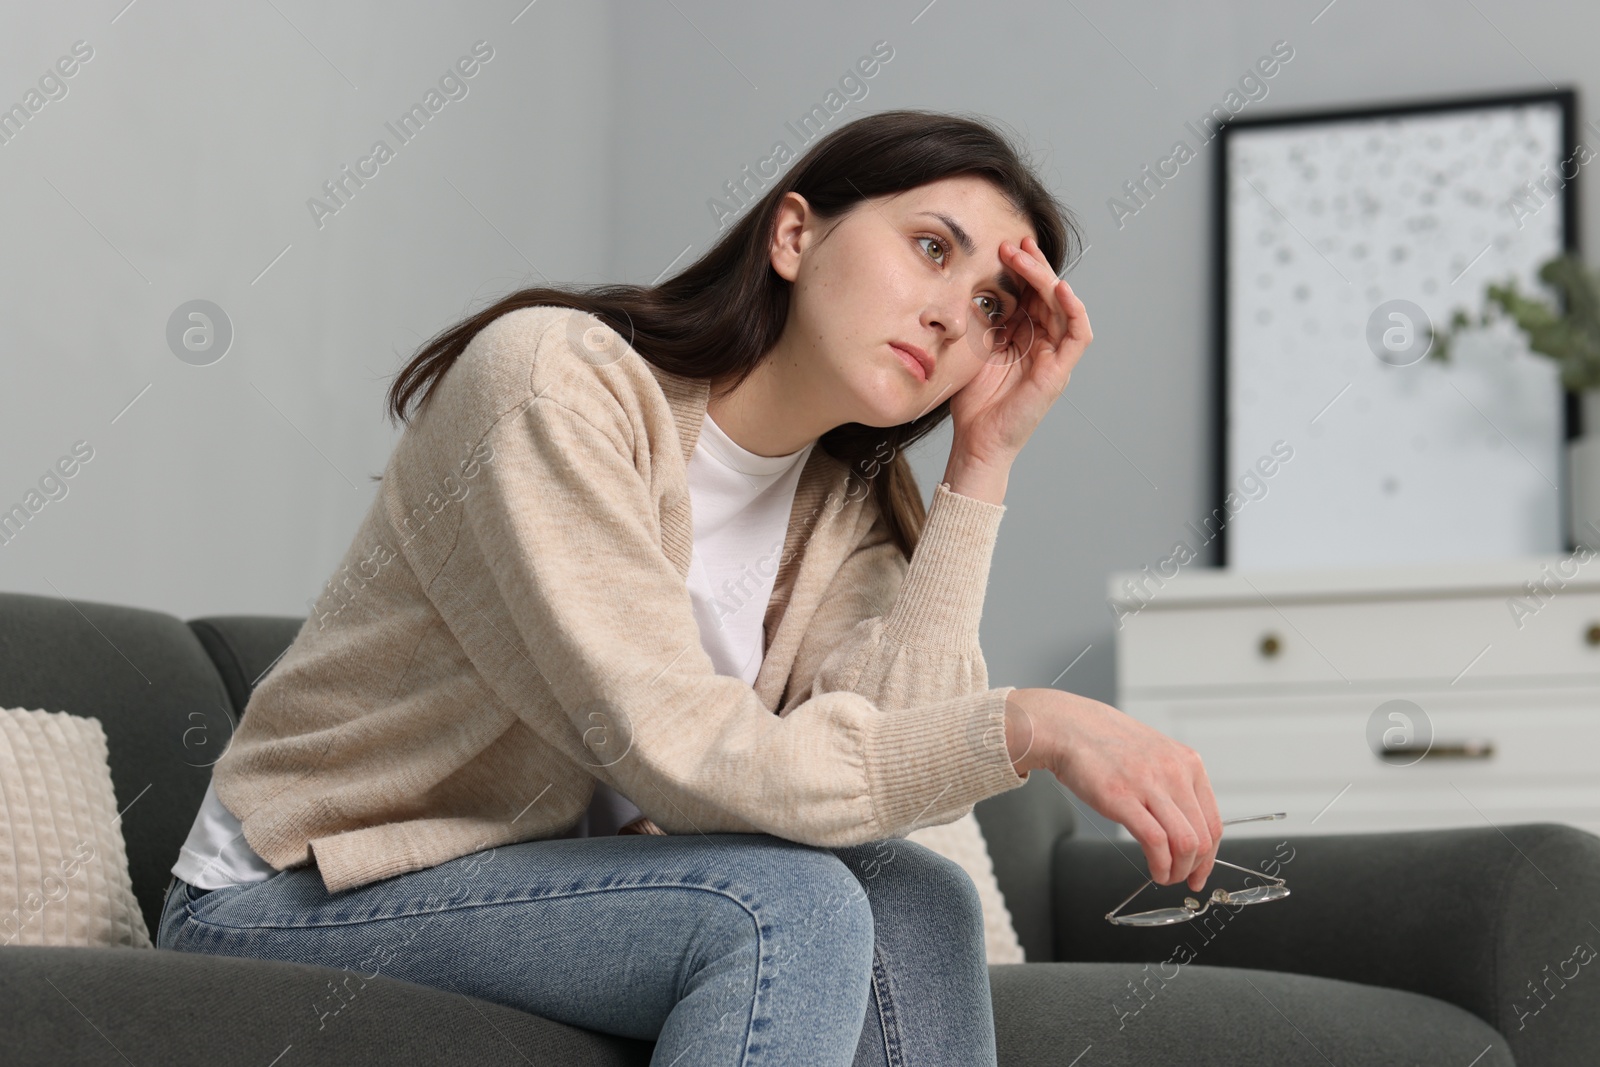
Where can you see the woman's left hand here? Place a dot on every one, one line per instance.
(997, 411)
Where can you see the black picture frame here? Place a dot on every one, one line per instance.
(1564, 98)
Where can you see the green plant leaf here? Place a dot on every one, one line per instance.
(1569, 333)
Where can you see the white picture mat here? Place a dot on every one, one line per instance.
(1421, 463)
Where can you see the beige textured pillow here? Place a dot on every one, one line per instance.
(962, 841)
(63, 865)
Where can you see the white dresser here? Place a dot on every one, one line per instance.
(1479, 683)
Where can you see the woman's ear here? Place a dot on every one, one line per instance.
(789, 234)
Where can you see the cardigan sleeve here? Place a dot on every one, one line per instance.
(902, 634)
(567, 524)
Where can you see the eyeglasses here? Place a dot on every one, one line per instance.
(1191, 907)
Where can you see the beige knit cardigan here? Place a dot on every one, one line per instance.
(512, 622)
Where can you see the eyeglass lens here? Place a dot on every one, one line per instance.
(1165, 916)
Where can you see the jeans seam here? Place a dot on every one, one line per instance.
(887, 1016)
(562, 895)
(166, 904)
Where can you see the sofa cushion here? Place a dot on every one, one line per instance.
(244, 648)
(1135, 1015)
(71, 1005)
(63, 868)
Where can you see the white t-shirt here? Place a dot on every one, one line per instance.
(740, 503)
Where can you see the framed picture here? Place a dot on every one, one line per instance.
(1341, 236)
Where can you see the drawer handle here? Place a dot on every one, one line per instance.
(1270, 645)
(1592, 635)
(1470, 749)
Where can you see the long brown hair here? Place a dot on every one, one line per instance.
(721, 315)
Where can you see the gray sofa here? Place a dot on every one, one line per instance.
(1396, 948)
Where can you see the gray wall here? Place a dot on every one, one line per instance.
(179, 164)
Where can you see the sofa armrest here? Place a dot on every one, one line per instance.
(1500, 921)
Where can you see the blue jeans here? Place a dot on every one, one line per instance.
(742, 948)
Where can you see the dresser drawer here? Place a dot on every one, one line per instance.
(1311, 757)
(1312, 646)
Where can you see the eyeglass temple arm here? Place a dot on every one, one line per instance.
(1256, 818)
(1247, 870)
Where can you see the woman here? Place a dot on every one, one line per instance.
(647, 655)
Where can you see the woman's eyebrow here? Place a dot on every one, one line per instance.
(1003, 281)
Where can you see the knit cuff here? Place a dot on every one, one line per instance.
(941, 599)
(928, 767)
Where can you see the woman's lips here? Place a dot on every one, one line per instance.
(911, 362)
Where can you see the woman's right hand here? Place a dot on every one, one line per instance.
(1127, 771)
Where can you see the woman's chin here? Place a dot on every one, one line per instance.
(885, 419)
(893, 401)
